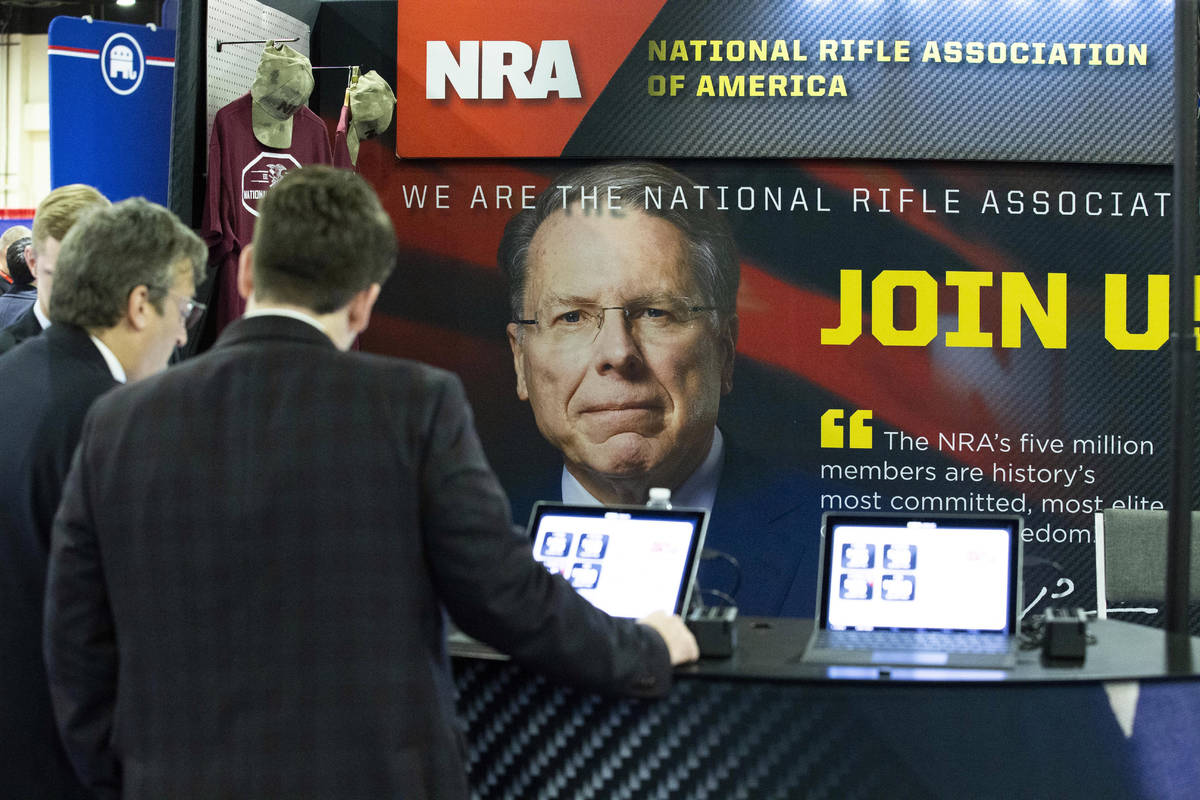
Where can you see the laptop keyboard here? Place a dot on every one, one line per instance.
(939, 641)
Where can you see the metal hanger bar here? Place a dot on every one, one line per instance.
(351, 76)
(257, 41)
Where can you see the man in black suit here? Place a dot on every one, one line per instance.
(125, 275)
(9, 236)
(7, 341)
(254, 548)
(55, 215)
(624, 332)
(21, 294)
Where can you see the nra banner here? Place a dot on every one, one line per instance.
(972, 338)
(1004, 80)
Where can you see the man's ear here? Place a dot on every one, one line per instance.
(514, 342)
(31, 261)
(729, 337)
(137, 307)
(359, 310)
(245, 273)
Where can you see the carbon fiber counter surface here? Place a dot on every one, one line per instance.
(764, 725)
(532, 739)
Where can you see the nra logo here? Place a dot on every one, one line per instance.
(482, 68)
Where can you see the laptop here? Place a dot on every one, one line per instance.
(927, 590)
(626, 560)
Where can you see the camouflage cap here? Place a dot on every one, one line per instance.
(372, 103)
(283, 84)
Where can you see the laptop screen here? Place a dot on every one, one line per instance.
(626, 560)
(937, 572)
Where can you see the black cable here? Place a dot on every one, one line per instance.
(1033, 632)
(710, 554)
(725, 599)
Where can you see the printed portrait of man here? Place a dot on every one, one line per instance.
(623, 282)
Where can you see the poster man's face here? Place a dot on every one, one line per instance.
(621, 397)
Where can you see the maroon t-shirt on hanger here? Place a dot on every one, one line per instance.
(240, 170)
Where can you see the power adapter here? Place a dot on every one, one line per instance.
(715, 630)
(1064, 635)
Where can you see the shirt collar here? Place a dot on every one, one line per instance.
(698, 491)
(286, 312)
(114, 366)
(42, 319)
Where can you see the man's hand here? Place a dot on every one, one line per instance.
(680, 643)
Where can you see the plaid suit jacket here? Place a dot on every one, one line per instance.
(248, 572)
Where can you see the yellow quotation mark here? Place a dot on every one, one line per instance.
(834, 430)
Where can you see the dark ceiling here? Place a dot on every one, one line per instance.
(33, 16)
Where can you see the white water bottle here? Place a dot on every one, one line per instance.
(660, 497)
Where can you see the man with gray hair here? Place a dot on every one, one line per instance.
(623, 282)
(122, 298)
(624, 330)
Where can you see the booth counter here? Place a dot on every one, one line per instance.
(763, 724)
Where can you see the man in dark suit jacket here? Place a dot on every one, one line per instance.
(55, 215)
(22, 293)
(25, 326)
(115, 319)
(10, 235)
(254, 548)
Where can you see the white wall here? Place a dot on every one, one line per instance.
(25, 89)
(25, 115)
(231, 71)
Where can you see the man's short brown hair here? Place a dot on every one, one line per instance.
(322, 236)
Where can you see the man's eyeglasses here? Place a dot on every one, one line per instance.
(649, 321)
(191, 309)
